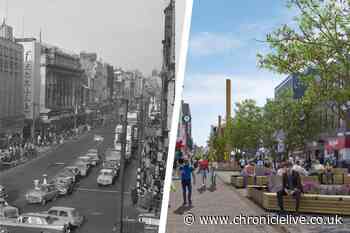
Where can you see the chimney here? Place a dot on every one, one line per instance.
(228, 99)
(219, 125)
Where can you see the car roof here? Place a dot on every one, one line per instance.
(83, 157)
(61, 208)
(35, 214)
(70, 167)
(106, 170)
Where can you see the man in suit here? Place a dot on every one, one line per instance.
(291, 185)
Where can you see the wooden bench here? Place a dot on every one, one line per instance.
(310, 203)
(256, 193)
(238, 181)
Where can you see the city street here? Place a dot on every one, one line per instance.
(98, 204)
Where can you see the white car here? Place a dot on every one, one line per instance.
(86, 159)
(106, 177)
(95, 159)
(83, 168)
(69, 215)
(98, 138)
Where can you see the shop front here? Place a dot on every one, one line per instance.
(339, 147)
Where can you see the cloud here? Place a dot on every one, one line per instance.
(206, 95)
(205, 43)
(206, 89)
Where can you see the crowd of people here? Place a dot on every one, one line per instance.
(291, 171)
(18, 148)
(149, 191)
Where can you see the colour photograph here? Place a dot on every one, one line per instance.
(263, 139)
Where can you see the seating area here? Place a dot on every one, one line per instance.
(309, 203)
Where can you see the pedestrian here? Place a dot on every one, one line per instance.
(134, 196)
(186, 171)
(328, 172)
(213, 167)
(242, 162)
(204, 170)
(291, 185)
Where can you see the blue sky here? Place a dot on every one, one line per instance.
(223, 44)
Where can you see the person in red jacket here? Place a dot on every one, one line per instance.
(204, 170)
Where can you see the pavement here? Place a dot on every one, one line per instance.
(100, 205)
(226, 200)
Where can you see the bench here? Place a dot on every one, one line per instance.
(238, 181)
(309, 203)
(256, 193)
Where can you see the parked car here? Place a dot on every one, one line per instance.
(68, 214)
(4, 230)
(83, 167)
(42, 194)
(75, 170)
(3, 193)
(98, 138)
(67, 173)
(64, 185)
(106, 176)
(43, 222)
(86, 159)
(7, 211)
(94, 157)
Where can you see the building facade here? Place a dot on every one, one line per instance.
(11, 84)
(168, 72)
(61, 87)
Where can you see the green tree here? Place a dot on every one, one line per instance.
(319, 41)
(246, 127)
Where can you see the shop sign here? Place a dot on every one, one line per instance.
(28, 95)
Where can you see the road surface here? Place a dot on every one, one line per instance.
(98, 204)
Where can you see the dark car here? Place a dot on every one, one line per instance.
(64, 185)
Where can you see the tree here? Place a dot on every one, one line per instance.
(298, 119)
(246, 127)
(320, 42)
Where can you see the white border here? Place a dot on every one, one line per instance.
(180, 73)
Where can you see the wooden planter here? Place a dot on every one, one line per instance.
(310, 203)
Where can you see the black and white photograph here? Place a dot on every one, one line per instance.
(87, 90)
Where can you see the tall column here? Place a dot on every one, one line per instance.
(228, 99)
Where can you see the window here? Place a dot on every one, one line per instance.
(63, 214)
(53, 212)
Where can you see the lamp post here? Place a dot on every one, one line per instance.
(124, 121)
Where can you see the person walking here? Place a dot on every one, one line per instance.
(186, 171)
(204, 170)
(213, 167)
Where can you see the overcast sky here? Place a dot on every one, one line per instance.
(126, 34)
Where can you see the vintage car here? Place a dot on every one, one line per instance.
(7, 211)
(67, 214)
(73, 169)
(4, 230)
(64, 185)
(106, 176)
(42, 193)
(83, 167)
(94, 157)
(67, 173)
(37, 222)
(86, 159)
(3, 193)
(98, 138)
